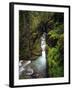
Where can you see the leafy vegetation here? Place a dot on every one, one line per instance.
(32, 24)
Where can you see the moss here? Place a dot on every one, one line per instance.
(32, 24)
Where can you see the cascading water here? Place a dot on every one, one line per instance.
(37, 68)
(43, 45)
(40, 62)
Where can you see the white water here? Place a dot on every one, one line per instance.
(43, 47)
(39, 64)
(22, 66)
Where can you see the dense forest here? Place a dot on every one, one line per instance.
(32, 24)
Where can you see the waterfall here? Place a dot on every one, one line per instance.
(36, 67)
(40, 62)
(43, 44)
(43, 47)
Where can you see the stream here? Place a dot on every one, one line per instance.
(34, 69)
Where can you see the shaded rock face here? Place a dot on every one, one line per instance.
(37, 68)
(25, 68)
(32, 25)
(40, 63)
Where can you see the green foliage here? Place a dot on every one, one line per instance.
(54, 62)
(32, 24)
(56, 52)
